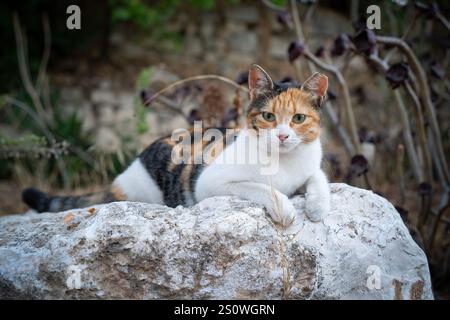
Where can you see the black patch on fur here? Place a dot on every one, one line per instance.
(36, 199)
(156, 159)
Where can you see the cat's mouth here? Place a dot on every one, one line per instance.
(286, 146)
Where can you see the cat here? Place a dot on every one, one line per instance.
(287, 115)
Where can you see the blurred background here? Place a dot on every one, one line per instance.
(75, 104)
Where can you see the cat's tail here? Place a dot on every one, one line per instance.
(42, 202)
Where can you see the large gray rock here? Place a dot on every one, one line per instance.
(221, 248)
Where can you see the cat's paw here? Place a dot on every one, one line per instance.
(282, 210)
(317, 208)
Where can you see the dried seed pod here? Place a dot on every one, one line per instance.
(365, 41)
(397, 74)
(283, 18)
(242, 78)
(425, 189)
(340, 45)
(295, 50)
(359, 165)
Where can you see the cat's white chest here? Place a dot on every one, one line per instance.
(291, 175)
(287, 174)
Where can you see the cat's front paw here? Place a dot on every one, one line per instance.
(282, 210)
(317, 208)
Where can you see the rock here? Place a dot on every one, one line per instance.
(70, 96)
(245, 14)
(244, 42)
(107, 140)
(103, 96)
(161, 77)
(221, 248)
(278, 48)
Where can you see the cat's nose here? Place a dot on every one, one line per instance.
(283, 137)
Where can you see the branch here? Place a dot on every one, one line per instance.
(61, 165)
(420, 124)
(345, 91)
(435, 158)
(443, 207)
(46, 55)
(345, 138)
(327, 105)
(23, 67)
(195, 78)
(400, 173)
(424, 93)
(382, 67)
(443, 20)
(172, 106)
(408, 139)
(273, 6)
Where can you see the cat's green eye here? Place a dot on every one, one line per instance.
(268, 116)
(298, 118)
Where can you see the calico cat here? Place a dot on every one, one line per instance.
(287, 115)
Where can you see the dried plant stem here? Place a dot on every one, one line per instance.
(443, 20)
(264, 34)
(424, 94)
(438, 167)
(367, 181)
(408, 139)
(24, 69)
(41, 116)
(43, 126)
(345, 138)
(272, 5)
(401, 174)
(443, 207)
(346, 95)
(42, 74)
(349, 145)
(421, 131)
(32, 114)
(425, 208)
(298, 70)
(171, 105)
(297, 23)
(195, 78)
(410, 27)
(406, 127)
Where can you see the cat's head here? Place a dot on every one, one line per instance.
(289, 113)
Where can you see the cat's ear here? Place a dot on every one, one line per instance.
(317, 84)
(259, 81)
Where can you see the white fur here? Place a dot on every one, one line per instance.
(137, 184)
(299, 164)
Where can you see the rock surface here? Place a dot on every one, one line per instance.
(222, 248)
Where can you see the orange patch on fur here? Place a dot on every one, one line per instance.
(169, 142)
(285, 106)
(117, 193)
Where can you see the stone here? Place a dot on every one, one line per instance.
(278, 48)
(103, 96)
(245, 42)
(107, 140)
(221, 248)
(243, 14)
